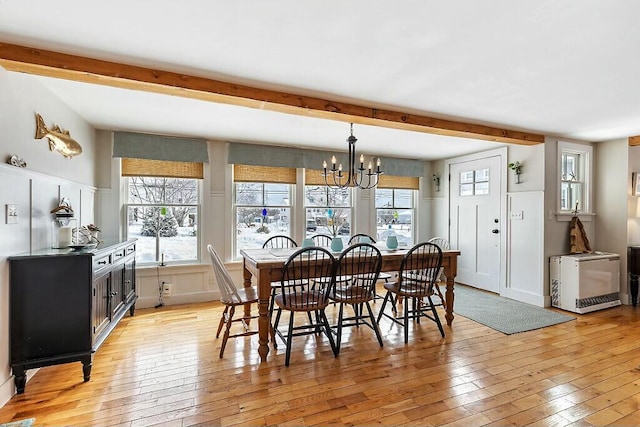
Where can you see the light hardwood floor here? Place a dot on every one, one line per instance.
(161, 367)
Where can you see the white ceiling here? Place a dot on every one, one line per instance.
(566, 68)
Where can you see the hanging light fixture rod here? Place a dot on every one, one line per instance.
(355, 175)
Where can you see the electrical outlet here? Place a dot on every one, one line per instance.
(166, 289)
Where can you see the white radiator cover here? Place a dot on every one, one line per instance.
(582, 283)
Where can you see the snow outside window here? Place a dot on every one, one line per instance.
(394, 214)
(262, 210)
(162, 213)
(328, 211)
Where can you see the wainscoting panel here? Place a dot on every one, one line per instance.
(525, 247)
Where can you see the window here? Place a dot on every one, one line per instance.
(262, 210)
(574, 171)
(162, 213)
(474, 183)
(394, 214)
(328, 211)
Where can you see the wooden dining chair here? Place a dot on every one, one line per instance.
(361, 238)
(323, 240)
(299, 293)
(231, 297)
(277, 242)
(443, 243)
(416, 280)
(362, 261)
(365, 238)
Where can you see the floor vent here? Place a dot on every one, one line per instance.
(602, 299)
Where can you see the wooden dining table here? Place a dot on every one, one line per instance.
(265, 266)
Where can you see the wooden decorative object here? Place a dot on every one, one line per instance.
(578, 237)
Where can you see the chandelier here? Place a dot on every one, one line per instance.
(355, 176)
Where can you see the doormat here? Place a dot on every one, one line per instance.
(503, 314)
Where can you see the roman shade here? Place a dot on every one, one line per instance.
(161, 168)
(275, 175)
(315, 177)
(399, 182)
(158, 155)
(294, 157)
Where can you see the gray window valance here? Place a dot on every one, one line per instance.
(159, 147)
(292, 157)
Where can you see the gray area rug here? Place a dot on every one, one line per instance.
(503, 314)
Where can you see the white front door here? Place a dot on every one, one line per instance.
(475, 226)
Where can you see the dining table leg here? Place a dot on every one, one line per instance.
(448, 298)
(263, 309)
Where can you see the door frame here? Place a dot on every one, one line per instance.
(502, 154)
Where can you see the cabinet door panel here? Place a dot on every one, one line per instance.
(117, 287)
(49, 306)
(101, 303)
(129, 285)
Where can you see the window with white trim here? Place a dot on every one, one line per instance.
(262, 210)
(328, 211)
(262, 204)
(394, 214)
(162, 213)
(575, 167)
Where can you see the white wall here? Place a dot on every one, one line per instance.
(435, 203)
(524, 248)
(611, 198)
(36, 189)
(556, 227)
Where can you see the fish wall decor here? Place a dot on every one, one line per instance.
(59, 140)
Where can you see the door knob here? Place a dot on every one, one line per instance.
(495, 231)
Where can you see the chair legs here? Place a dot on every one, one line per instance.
(222, 320)
(323, 323)
(435, 317)
(289, 340)
(415, 312)
(359, 318)
(227, 319)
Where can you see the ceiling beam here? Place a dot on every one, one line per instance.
(634, 140)
(89, 70)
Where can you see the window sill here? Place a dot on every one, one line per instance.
(567, 216)
(148, 269)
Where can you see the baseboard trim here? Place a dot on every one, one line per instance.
(523, 296)
(8, 388)
(150, 302)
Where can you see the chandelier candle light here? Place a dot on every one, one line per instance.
(355, 176)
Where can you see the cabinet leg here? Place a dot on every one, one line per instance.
(20, 378)
(633, 287)
(132, 310)
(86, 368)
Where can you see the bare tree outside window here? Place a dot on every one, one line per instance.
(262, 210)
(163, 215)
(394, 214)
(328, 211)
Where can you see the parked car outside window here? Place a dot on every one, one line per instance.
(311, 225)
